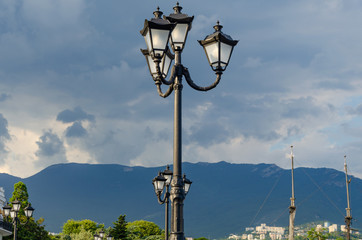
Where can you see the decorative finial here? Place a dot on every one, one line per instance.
(217, 27)
(158, 13)
(177, 8)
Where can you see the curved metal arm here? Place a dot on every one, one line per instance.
(165, 198)
(194, 86)
(167, 93)
(171, 81)
(159, 74)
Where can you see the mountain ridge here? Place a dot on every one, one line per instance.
(224, 197)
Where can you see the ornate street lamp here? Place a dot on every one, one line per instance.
(13, 213)
(183, 26)
(164, 179)
(157, 33)
(187, 184)
(159, 183)
(102, 236)
(218, 47)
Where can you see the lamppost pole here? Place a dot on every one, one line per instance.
(167, 203)
(177, 193)
(218, 48)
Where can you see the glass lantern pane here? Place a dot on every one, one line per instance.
(178, 34)
(7, 211)
(28, 213)
(159, 40)
(168, 179)
(148, 41)
(166, 65)
(225, 53)
(160, 185)
(187, 187)
(152, 65)
(212, 51)
(16, 206)
(12, 214)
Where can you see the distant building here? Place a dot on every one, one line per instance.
(234, 236)
(333, 228)
(319, 228)
(5, 228)
(250, 237)
(249, 229)
(326, 224)
(263, 228)
(343, 228)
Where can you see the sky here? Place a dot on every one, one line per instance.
(74, 86)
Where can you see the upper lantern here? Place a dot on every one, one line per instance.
(159, 183)
(218, 47)
(157, 33)
(183, 25)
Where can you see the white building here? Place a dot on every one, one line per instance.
(263, 228)
(235, 237)
(319, 228)
(333, 228)
(5, 229)
(343, 228)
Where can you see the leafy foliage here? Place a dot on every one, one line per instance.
(75, 227)
(319, 235)
(142, 229)
(119, 231)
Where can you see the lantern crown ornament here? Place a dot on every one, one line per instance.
(218, 47)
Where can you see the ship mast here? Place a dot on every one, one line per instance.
(292, 207)
(348, 218)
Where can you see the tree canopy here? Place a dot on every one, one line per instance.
(142, 229)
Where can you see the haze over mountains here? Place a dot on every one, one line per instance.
(224, 198)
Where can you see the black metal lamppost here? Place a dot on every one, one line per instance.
(218, 48)
(13, 213)
(159, 182)
(102, 236)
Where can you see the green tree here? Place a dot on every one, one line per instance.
(119, 231)
(32, 230)
(82, 235)
(201, 238)
(319, 235)
(75, 227)
(142, 229)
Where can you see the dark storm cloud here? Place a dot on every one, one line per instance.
(4, 133)
(49, 145)
(76, 130)
(209, 133)
(77, 114)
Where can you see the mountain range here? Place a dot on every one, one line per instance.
(224, 198)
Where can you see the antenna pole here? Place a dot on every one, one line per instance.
(292, 207)
(348, 218)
